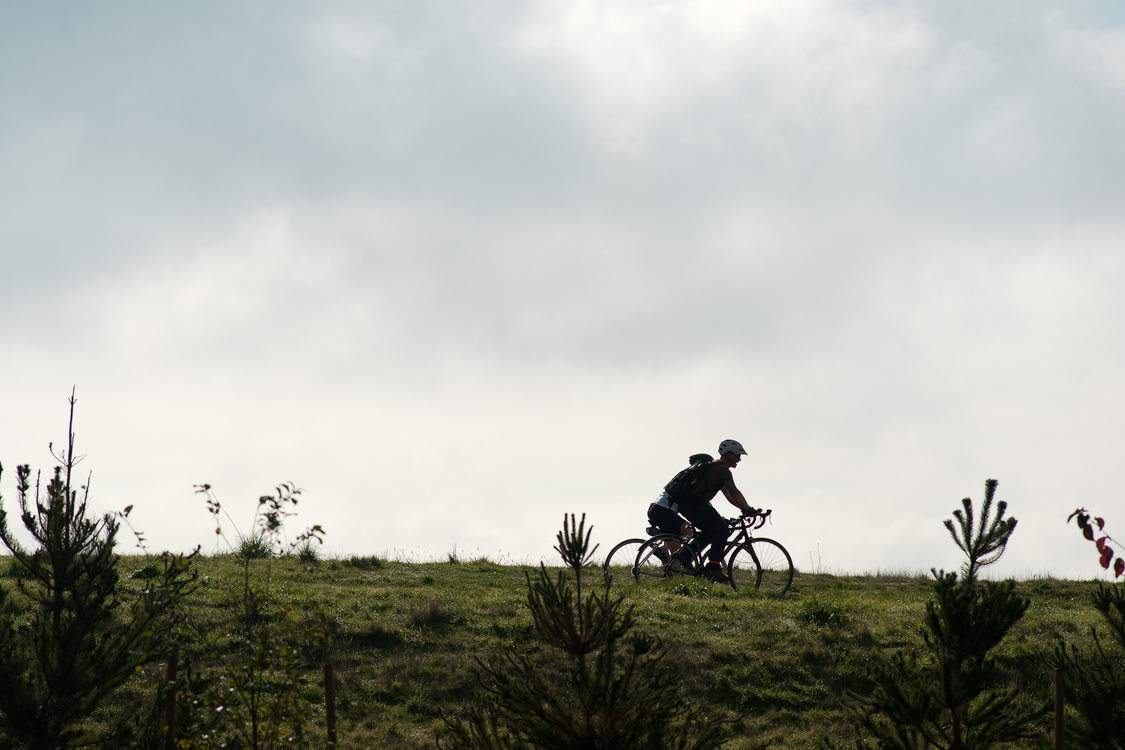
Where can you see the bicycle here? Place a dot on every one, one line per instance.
(625, 552)
(746, 558)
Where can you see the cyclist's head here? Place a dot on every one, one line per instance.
(731, 446)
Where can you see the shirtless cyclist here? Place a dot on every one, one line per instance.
(696, 506)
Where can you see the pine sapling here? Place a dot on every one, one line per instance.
(599, 684)
(951, 694)
(984, 545)
(70, 634)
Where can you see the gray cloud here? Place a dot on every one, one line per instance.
(463, 270)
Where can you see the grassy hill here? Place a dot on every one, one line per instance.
(773, 669)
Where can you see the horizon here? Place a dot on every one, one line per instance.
(457, 271)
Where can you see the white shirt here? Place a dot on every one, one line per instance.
(666, 502)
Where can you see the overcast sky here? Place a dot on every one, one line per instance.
(459, 268)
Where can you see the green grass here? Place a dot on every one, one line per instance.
(255, 546)
(773, 669)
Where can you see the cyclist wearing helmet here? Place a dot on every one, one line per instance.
(662, 511)
(696, 507)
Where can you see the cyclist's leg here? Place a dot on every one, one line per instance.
(668, 521)
(713, 526)
(654, 561)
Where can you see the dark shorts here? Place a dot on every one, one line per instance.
(666, 519)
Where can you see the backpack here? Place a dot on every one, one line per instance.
(681, 486)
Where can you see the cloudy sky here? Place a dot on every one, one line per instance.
(459, 268)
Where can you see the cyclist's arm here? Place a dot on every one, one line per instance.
(735, 497)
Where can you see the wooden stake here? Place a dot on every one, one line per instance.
(170, 701)
(330, 701)
(1060, 705)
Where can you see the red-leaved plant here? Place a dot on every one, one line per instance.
(1106, 553)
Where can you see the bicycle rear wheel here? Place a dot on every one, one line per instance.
(656, 560)
(762, 564)
(623, 555)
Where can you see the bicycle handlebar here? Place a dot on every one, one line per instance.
(756, 519)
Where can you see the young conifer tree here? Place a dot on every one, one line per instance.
(952, 697)
(600, 685)
(70, 636)
(983, 543)
(1095, 678)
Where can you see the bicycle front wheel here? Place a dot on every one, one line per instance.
(762, 564)
(623, 555)
(664, 556)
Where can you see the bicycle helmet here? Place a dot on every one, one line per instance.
(732, 446)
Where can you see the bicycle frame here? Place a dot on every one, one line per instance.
(757, 562)
(745, 526)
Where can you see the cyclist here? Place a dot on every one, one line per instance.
(662, 511)
(663, 515)
(696, 507)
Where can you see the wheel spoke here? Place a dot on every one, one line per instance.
(622, 556)
(742, 569)
(656, 558)
(762, 564)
